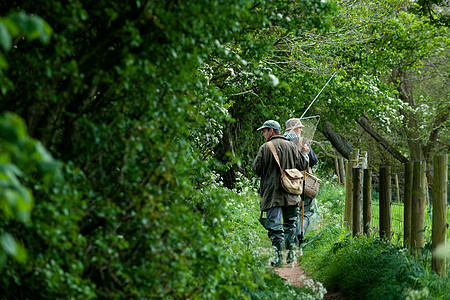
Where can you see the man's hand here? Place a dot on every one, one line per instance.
(305, 148)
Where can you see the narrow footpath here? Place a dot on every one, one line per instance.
(297, 277)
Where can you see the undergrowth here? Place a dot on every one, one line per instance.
(366, 267)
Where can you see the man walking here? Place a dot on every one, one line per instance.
(293, 133)
(278, 208)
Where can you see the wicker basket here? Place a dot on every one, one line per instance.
(311, 186)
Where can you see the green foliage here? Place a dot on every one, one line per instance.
(119, 96)
(368, 44)
(365, 267)
(17, 25)
(331, 197)
(434, 10)
(368, 268)
(54, 243)
(23, 161)
(131, 96)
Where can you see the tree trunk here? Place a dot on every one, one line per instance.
(338, 142)
(223, 150)
(403, 82)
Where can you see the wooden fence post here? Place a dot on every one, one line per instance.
(363, 161)
(418, 205)
(367, 200)
(408, 205)
(356, 187)
(341, 170)
(440, 163)
(348, 195)
(355, 157)
(397, 189)
(385, 203)
(348, 214)
(336, 169)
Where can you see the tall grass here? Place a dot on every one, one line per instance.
(365, 267)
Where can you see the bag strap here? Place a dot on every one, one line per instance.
(274, 152)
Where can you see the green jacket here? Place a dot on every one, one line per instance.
(265, 166)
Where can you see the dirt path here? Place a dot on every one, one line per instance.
(297, 277)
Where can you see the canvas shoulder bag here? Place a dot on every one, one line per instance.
(291, 179)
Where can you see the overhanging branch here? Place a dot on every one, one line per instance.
(365, 124)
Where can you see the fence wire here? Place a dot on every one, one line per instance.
(397, 208)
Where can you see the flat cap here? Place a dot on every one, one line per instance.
(270, 124)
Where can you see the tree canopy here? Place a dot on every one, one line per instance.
(115, 91)
(148, 108)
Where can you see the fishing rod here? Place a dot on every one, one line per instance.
(311, 117)
(318, 94)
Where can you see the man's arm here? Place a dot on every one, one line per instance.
(257, 163)
(312, 157)
(302, 159)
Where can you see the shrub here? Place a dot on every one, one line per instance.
(367, 268)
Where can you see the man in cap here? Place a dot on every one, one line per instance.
(276, 203)
(294, 128)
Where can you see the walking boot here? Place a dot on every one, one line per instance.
(290, 248)
(278, 260)
(291, 256)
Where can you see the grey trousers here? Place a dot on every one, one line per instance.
(280, 223)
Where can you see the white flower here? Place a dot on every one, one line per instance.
(275, 80)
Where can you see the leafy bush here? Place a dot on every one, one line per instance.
(367, 268)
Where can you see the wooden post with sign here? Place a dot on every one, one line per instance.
(336, 169)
